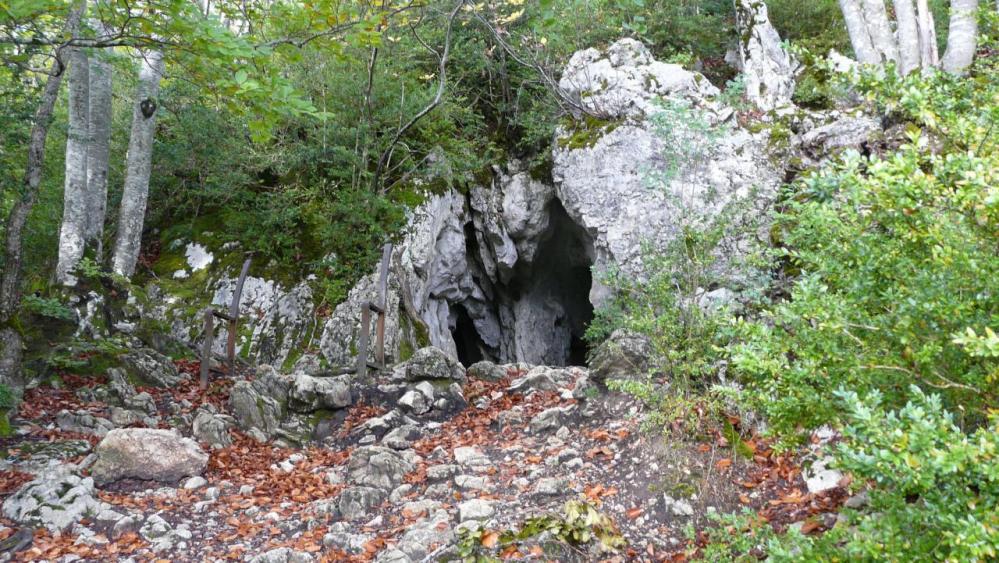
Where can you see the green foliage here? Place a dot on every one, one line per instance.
(933, 489)
(579, 524)
(48, 307)
(7, 398)
(894, 255)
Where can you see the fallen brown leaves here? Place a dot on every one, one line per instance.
(11, 480)
(49, 547)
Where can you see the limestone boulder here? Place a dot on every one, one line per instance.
(377, 466)
(152, 368)
(147, 454)
(430, 363)
(309, 394)
(625, 355)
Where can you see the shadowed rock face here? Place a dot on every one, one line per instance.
(541, 308)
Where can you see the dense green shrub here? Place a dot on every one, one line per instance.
(933, 490)
(894, 256)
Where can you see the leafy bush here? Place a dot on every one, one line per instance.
(933, 489)
(48, 307)
(579, 525)
(893, 256)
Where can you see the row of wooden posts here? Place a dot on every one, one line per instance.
(364, 362)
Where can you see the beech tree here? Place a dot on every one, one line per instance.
(910, 41)
(139, 164)
(73, 231)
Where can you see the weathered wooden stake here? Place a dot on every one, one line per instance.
(379, 309)
(206, 348)
(232, 317)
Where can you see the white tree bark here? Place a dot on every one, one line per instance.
(929, 54)
(138, 166)
(860, 37)
(72, 232)
(879, 28)
(908, 36)
(97, 156)
(962, 39)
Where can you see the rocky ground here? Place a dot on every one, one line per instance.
(428, 461)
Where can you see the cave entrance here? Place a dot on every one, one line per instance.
(562, 271)
(467, 341)
(539, 312)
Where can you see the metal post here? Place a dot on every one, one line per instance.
(206, 349)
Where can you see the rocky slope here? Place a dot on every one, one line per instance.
(427, 462)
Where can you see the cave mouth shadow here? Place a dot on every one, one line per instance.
(555, 286)
(467, 341)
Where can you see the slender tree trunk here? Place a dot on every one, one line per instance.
(10, 282)
(929, 54)
(908, 37)
(97, 156)
(860, 37)
(962, 39)
(138, 166)
(879, 27)
(73, 231)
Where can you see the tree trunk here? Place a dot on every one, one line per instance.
(10, 283)
(929, 54)
(138, 166)
(879, 28)
(908, 37)
(72, 233)
(860, 38)
(963, 36)
(97, 156)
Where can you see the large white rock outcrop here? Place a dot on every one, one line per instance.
(625, 80)
(605, 186)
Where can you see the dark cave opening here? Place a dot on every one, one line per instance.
(562, 275)
(467, 341)
(536, 313)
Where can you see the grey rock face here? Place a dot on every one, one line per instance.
(356, 502)
(254, 409)
(309, 394)
(152, 368)
(768, 69)
(845, 132)
(430, 363)
(487, 371)
(142, 453)
(212, 428)
(379, 467)
(625, 355)
(604, 186)
(475, 509)
(625, 80)
(418, 541)
(551, 419)
(275, 320)
(57, 498)
(84, 422)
